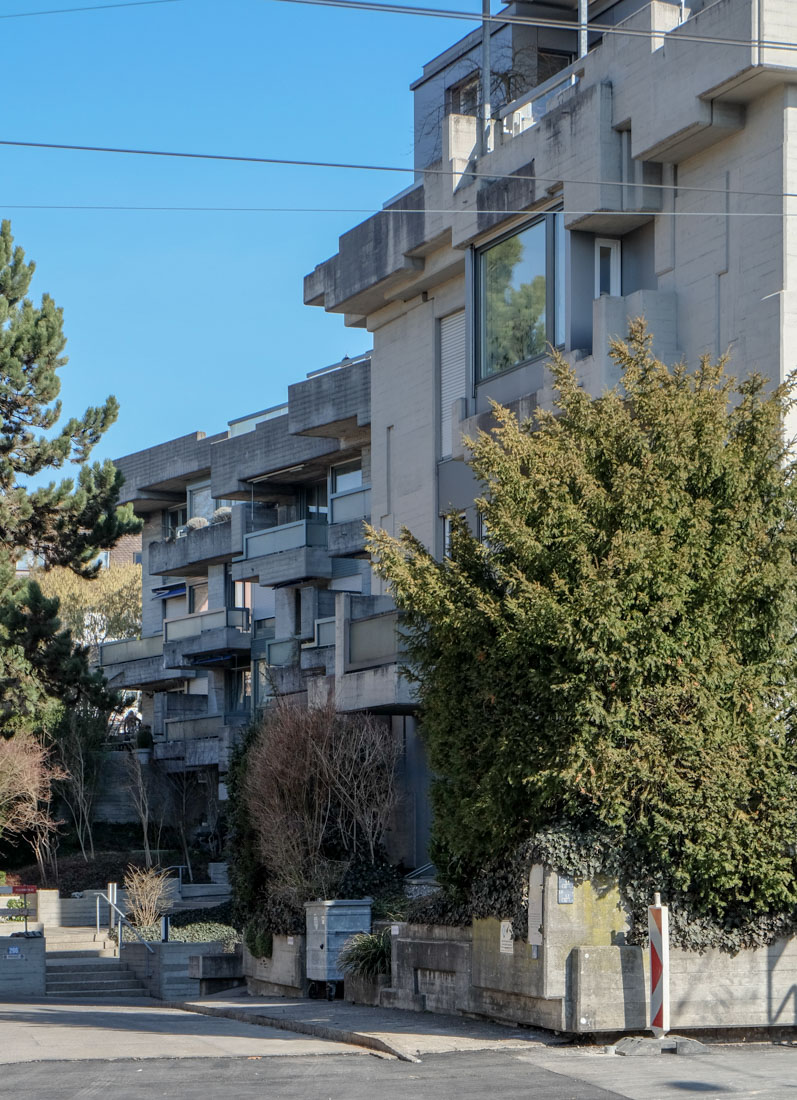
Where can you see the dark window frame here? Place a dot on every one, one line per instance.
(554, 280)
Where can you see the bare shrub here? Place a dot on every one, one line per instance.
(147, 894)
(27, 775)
(319, 789)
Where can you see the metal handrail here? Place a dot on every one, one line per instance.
(122, 919)
(179, 867)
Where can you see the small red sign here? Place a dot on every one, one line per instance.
(25, 889)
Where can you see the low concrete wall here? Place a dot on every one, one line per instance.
(73, 912)
(430, 968)
(22, 968)
(584, 987)
(464, 970)
(283, 974)
(756, 987)
(79, 912)
(364, 991)
(216, 972)
(165, 971)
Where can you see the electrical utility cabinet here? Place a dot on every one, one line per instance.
(329, 925)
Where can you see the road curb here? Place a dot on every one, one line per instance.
(303, 1027)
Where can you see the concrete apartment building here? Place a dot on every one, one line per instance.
(256, 581)
(643, 178)
(636, 170)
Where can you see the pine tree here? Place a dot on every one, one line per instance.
(63, 523)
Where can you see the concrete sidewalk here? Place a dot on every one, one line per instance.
(66, 1030)
(406, 1035)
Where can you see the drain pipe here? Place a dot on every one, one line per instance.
(484, 131)
(582, 27)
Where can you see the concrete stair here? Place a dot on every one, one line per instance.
(97, 978)
(71, 943)
(202, 895)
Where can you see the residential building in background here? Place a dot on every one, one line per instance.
(256, 582)
(642, 169)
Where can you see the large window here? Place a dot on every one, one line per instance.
(521, 295)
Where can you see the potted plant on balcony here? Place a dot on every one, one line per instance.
(144, 744)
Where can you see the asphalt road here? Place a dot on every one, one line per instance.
(440, 1077)
(763, 1073)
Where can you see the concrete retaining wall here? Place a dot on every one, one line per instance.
(165, 971)
(754, 988)
(22, 968)
(584, 987)
(282, 974)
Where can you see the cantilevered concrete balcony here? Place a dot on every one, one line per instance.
(285, 555)
(332, 403)
(210, 637)
(199, 742)
(347, 514)
(136, 664)
(369, 652)
(191, 554)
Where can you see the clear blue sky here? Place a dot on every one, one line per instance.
(192, 319)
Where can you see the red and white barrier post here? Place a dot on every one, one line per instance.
(659, 931)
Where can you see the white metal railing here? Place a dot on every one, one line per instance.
(352, 504)
(191, 626)
(288, 536)
(130, 649)
(117, 918)
(527, 111)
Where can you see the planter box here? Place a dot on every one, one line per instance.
(166, 970)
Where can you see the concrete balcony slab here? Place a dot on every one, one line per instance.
(194, 552)
(347, 540)
(375, 689)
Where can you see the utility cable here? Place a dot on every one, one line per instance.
(470, 17)
(351, 166)
(88, 7)
(420, 210)
(551, 24)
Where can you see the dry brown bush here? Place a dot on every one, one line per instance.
(319, 790)
(147, 894)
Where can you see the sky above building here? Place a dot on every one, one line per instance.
(194, 318)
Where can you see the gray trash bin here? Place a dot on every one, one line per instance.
(329, 924)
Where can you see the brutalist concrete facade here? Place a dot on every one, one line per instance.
(651, 174)
(657, 156)
(253, 549)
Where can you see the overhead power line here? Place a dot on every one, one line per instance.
(470, 17)
(552, 24)
(354, 166)
(88, 7)
(395, 211)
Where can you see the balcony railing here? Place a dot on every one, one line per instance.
(191, 626)
(323, 634)
(130, 649)
(354, 504)
(184, 729)
(289, 536)
(373, 641)
(530, 108)
(284, 651)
